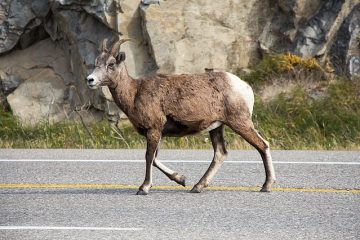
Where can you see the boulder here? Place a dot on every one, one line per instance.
(23, 71)
(188, 36)
(28, 62)
(40, 99)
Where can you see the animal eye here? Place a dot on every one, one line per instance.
(111, 65)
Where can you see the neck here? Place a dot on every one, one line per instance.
(123, 90)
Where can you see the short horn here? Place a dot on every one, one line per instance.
(104, 45)
(115, 49)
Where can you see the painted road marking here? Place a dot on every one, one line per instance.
(171, 161)
(123, 186)
(67, 228)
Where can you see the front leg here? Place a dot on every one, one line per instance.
(153, 138)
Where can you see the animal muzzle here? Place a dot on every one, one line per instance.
(91, 82)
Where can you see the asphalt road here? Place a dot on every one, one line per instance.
(90, 194)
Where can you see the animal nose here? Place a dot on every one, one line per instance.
(90, 80)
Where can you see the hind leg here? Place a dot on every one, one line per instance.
(220, 153)
(174, 176)
(247, 131)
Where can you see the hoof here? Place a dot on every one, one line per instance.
(196, 189)
(264, 189)
(267, 186)
(142, 192)
(181, 180)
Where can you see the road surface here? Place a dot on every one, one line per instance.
(90, 194)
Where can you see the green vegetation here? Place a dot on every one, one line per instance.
(95, 135)
(274, 66)
(297, 121)
(292, 120)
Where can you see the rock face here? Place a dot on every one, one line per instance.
(345, 52)
(40, 98)
(312, 29)
(193, 35)
(52, 44)
(72, 30)
(38, 78)
(234, 34)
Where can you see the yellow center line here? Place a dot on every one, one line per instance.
(124, 186)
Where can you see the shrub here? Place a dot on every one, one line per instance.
(272, 66)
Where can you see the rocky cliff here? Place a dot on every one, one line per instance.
(47, 47)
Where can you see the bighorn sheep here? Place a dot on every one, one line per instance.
(179, 105)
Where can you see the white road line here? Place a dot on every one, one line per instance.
(171, 161)
(67, 228)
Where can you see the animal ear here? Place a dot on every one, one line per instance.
(120, 57)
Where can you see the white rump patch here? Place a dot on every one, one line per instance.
(212, 126)
(242, 88)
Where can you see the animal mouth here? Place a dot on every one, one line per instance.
(93, 85)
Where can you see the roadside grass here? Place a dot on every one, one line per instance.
(297, 121)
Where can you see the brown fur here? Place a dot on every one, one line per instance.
(167, 102)
(179, 105)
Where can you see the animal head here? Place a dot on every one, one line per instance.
(107, 65)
